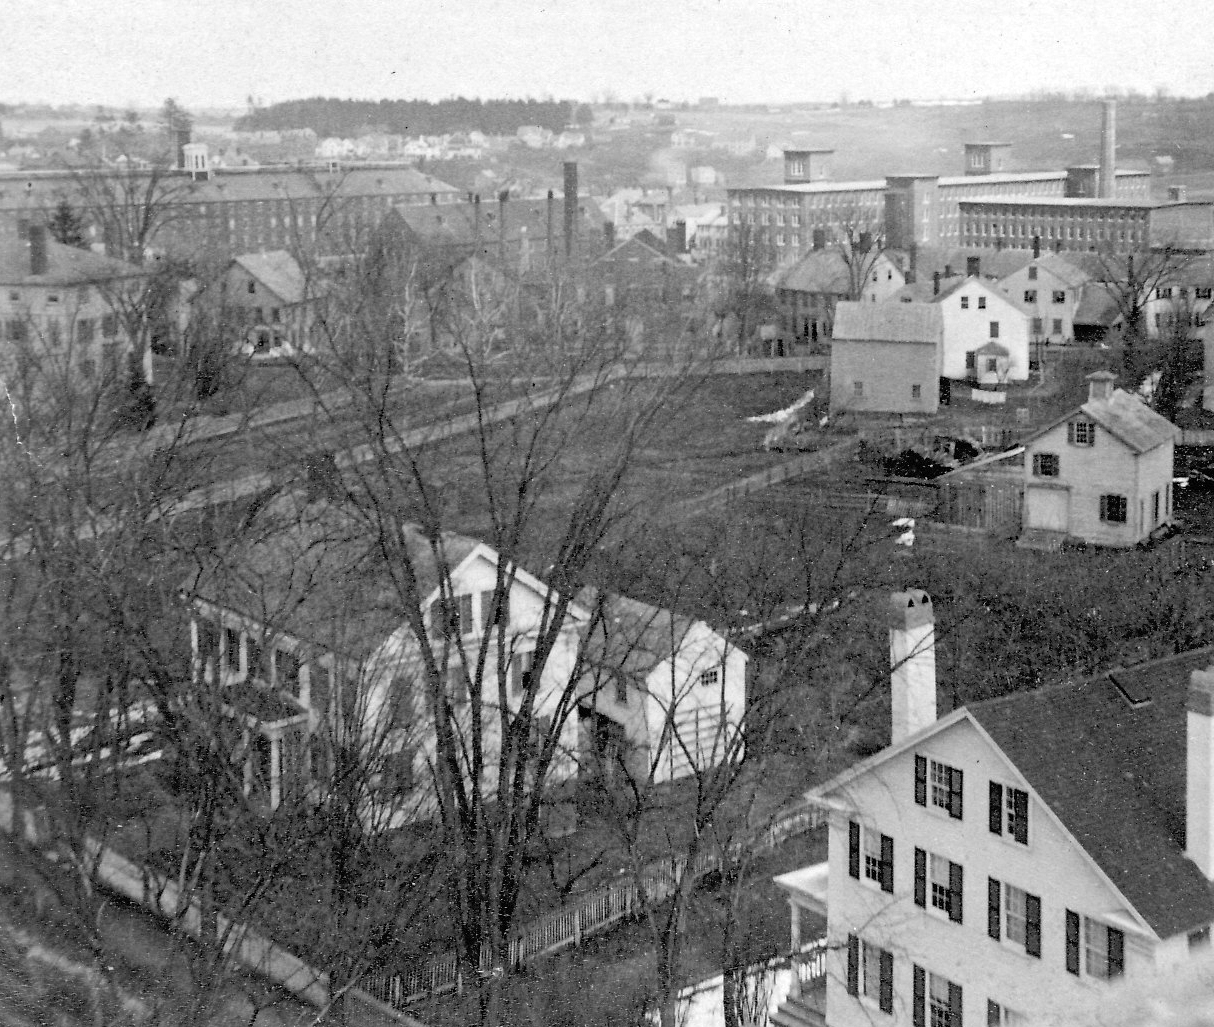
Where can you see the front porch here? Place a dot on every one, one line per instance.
(805, 1005)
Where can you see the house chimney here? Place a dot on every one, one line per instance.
(819, 239)
(1199, 772)
(912, 661)
(1107, 181)
(1177, 193)
(609, 234)
(38, 255)
(935, 283)
(948, 270)
(1100, 386)
(677, 237)
(1036, 246)
(973, 267)
(570, 204)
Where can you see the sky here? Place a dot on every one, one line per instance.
(216, 53)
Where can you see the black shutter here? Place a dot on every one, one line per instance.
(919, 1013)
(887, 863)
(853, 848)
(993, 925)
(954, 1004)
(1116, 952)
(920, 878)
(954, 892)
(1070, 431)
(1072, 943)
(954, 793)
(1021, 810)
(853, 965)
(996, 810)
(887, 982)
(1032, 925)
(993, 1019)
(921, 780)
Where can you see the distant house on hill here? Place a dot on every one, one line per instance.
(808, 291)
(269, 294)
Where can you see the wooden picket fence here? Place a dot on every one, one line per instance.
(594, 912)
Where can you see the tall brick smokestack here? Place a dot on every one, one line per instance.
(570, 204)
(1106, 185)
(38, 254)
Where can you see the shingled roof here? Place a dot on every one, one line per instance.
(1125, 417)
(278, 271)
(313, 572)
(65, 265)
(1108, 757)
(888, 322)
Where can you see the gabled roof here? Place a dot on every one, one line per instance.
(1071, 273)
(1107, 756)
(1125, 417)
(888, 322)
(278, 271)
(638, 247)
(820, 271)
(632, 637)
(65, 265)
(313, 572)
(1096, 306)
(1113, 771)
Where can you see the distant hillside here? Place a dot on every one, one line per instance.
(332, 117)
(872, 142)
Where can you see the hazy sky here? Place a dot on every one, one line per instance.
(217, 52)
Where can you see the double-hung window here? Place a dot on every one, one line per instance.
(870, 973)
(937, 784)
(1013, 915)
(1045, 465)
(1095, 947)
(870, 856)
(936, 1000)
(1009, 808)
(939, 884)
(1113, 508)
(1081, 433)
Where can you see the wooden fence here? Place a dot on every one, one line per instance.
(595, 911)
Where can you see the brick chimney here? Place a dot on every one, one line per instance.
(1036, 246)
(1100, 386)
(38, 254)
(1106, 183)
(1199, 772)
(935, 283)
(570, 204)
(973, 267)
(912, 660)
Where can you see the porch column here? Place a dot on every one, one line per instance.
(794, 918)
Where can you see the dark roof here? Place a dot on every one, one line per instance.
(819, 271)
(315, 573)
(1125, 417)
(1096, 306)
(1113, 772)
(632, 637)
(888, 322)
(278, 271)
(991, 263)
(66, 265)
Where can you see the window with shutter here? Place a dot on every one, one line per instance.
(946, 788)
(1072, 943)
(994, 928)
(921, 780)
(919, 996)
(853, 849)
(955, 892)
(995, 808)
(853, 965)
(920, 877)
(1008, 812)
(886, 996)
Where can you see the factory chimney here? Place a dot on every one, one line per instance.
(1106, 187)
(570, 204)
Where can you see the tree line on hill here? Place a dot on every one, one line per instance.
(329, 116)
